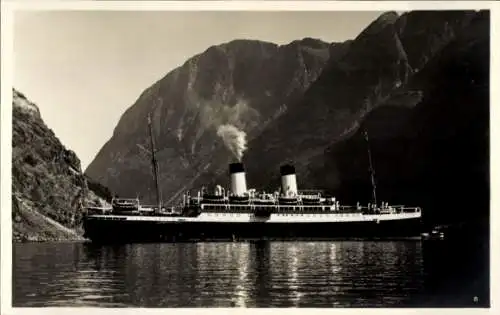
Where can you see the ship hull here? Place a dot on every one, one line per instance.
(129, 231)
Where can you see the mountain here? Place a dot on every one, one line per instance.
(48, 187)
(434, 153)
(376, 65)
(418, 83)
(246, 84)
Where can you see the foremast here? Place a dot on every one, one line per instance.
(154, 163)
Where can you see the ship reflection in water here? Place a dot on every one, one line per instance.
(261, 274)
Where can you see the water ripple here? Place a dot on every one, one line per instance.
(279, 274)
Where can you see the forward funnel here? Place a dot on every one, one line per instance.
(238, 179)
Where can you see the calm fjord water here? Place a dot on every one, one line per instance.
(262, 274)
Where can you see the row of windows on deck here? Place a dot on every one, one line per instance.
(245, 209)
(234, 214)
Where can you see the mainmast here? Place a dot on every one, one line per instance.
(372, 171)
(154, 164)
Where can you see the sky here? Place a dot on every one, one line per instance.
(85, 68)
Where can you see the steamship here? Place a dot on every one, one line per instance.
(238, 213)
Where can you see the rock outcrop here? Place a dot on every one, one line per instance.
(48, 187)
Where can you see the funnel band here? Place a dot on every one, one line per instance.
(287, 169)
(236, 168)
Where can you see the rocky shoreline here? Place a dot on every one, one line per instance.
(17, 238)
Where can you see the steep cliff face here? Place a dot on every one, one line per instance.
(373, 71)
(48, 187)
(436, 153)
(247, 84)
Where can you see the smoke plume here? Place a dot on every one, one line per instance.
(234, 139)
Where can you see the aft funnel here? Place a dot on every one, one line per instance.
(238, 179)
(288, 180)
